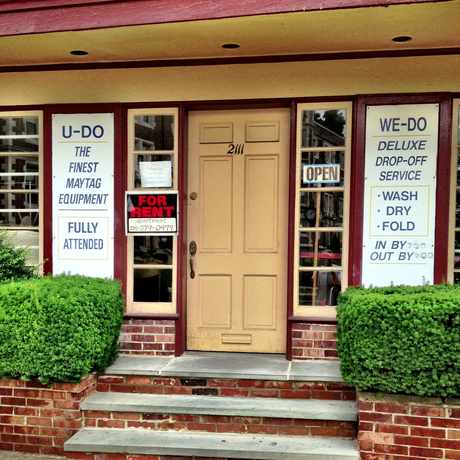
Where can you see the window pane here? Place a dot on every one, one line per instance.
(20, 126)
(329, 171)
(152, 285)
(321, 209)
(457, 250)
(457, 209)
(15, 164)
(323, 128)
(28, 239)
(154, 132)
(19, 182)
(319, 288)
(19, 145)
(322, 249)
(27, 200)
(147, 174)
(19, 219)
(457, 277)
(155, 250)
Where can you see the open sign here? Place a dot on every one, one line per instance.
(321, 174)
(151, 213)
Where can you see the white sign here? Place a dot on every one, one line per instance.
(155, 173)
(321, 174)
(83, 198)
(400, 194)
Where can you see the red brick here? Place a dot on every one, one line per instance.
(452, 454)
(393, 408)
(389, 428)
(12, 401)
(375, 417)
(428, 411)
(428, 432)
(445, 422)
(409, 420)
(427, 453)
(411, 441)
(391, 449)
(445, 443)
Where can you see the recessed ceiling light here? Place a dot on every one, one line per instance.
(79, 53)
(230, 46)
(402, 38)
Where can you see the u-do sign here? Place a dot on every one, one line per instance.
(320, 174)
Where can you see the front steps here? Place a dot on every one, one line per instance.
(211, 445)
(255, 406)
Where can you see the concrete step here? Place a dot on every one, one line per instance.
(228, 365)
(308, 409)
(186, 444)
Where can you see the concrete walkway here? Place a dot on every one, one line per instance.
(228, 365)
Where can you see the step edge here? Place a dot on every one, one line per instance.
(347, 451)
(345, 411)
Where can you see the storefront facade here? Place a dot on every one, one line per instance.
(281, 204)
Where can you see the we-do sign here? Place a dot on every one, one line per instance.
(83, 189)
(399, 194)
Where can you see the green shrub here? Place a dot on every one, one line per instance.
(401, 339)
(58, 329)
(13, 263)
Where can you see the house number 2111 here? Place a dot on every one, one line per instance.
(235, 149)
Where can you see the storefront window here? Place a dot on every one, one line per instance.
(323, 155)
(20, 157)
(152, 165)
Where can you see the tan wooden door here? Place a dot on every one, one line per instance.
(238, 216)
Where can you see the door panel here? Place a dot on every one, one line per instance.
(237, 215)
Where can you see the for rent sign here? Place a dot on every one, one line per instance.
(83, 168)
(151, 213)
(400, 194)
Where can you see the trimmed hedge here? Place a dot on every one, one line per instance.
(58, 329)
(13, 262)
(401, 339)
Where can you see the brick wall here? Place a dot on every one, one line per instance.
(148, 337)
(226, 387)
(38, 419)
(219, 424)
(408, 428)
(314, 341)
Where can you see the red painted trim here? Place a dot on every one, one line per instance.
(348, 55)
(120, 185)
(291, 227)
(182, 253)
(67, 16)
(311, 320)
(443, 195)
(443, 179)
(47, 193)
(356, 193)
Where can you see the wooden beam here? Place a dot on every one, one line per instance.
(39, 16)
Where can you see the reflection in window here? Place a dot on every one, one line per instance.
(153, 250)
(321, 163)
(152, 285)
(323, 128)
(152, 165)
(154, 132)
(457, 209)
(19, 182)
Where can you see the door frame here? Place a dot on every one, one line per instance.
(289, 104)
